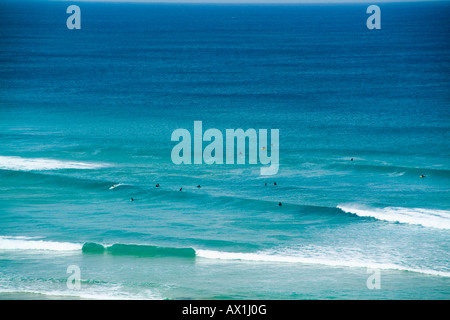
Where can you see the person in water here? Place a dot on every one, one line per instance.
(157, 185)
(199, 186)
(279, 203)
(274, 183)
(181, 189)
(422, 176)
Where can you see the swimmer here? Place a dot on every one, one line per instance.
(422, 176)
(157, 185)
(274, 183)
(279, 203)
(199, 186)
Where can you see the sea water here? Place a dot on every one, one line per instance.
(86, 122)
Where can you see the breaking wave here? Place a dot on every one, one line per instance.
(425, 217)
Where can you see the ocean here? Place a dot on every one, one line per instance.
(86, 118)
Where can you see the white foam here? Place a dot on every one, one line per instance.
(19, 243)
(20, 237)
(105, 293)
(266, 257)
(396, 174)
(116, 185)
(425, 217)
(29, 164)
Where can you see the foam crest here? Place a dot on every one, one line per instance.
(425, 217)
(29, 164)
(22, 243)
(266, 257)
(102, 293)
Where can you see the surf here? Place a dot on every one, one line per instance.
(31, 244)
(11, 243)
(281, 258)
(43, 164)
(432, 218)
(391, 170)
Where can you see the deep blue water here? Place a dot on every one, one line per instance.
(85, 110)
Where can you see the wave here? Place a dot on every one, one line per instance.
(309, 213)
(392, 169)
(139, 250)
(266, 257)
(44, 180)
(425, 217)
(150, 193)
(98, 290)
(40, 164)
(396, 174)
(150, 251)
(116, 186)
(101, 294)
(24, 243)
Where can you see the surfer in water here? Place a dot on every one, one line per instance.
(181, 189)
(199, 186)
(279, 203)
(422, 176)
(157, 185)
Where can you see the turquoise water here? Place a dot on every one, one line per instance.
(86, 123)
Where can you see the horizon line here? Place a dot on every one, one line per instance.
(252, 1)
